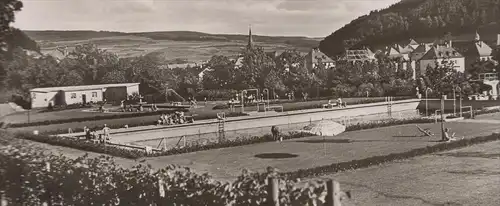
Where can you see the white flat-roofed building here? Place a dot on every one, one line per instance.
(57, 96)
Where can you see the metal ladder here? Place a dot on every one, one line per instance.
(221, 120)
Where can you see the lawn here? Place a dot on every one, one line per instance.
(227, 163)
(467, 176)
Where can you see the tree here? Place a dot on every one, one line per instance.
(92, 63)
(255, 67)
(220, 73)
(442, 78)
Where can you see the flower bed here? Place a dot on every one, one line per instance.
(126, 153)
(30, 177)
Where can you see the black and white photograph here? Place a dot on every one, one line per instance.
(249, 102)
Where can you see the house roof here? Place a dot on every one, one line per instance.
(413, 42)
(481, 49)
(362, 54)
(82, 87)
(439, 52)
(316, 55)
(419, 52)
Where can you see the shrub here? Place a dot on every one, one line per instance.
(82, 145)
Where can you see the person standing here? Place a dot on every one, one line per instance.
(106, 132)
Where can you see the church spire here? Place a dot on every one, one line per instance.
(250, 40)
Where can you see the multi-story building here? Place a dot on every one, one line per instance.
(440, 53)
(477, 51)
(359, 55)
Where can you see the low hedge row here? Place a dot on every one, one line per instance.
(195, 147)
(375, 160)
(93, 118)
(138, 124)
(82, 144)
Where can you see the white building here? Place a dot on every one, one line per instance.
(439, 53)
(43, 97)
(316, 57)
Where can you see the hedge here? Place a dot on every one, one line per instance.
(31, 177)
(94, 118)
(375, 160)
(127, 153)
(118, 126)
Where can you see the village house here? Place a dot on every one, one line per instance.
(442, 52)
(358, 55)
(315, 57)
(477, 51)
(58, 96)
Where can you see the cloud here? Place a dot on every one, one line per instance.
(316, 18)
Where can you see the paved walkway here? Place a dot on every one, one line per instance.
(227, 163)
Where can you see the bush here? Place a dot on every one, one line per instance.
(82, 145)
(30, 177)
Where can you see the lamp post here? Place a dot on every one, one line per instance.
(454, 103)
(442, 118)
(426, 101)
(267, 94)
(243, 93)
(460, 98)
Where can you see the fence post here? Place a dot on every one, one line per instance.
(3, 200)
(273, 191)
(333, 193)
(161, 192)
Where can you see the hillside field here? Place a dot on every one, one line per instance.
(169, 46)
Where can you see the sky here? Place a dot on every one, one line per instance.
(312, 18)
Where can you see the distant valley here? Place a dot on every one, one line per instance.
(172, 46)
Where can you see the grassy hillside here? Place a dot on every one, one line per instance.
(423, 20)
(172, 45)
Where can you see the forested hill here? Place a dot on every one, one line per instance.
(418, 19)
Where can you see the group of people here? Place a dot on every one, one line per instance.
(92, 134)
(175, 118)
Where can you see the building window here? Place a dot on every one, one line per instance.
(73, 95)
(94, 94)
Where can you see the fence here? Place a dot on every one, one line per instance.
(204, 137)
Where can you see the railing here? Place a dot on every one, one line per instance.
(488, 76)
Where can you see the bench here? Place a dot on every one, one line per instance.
(274, 108)
(330, 104)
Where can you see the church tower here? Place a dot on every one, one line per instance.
(250, 40)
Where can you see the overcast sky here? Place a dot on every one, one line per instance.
(313, 18)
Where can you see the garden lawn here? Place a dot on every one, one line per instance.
(38, 116)
(227, 163)
(466, 176)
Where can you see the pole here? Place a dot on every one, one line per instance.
(333, 193)
(460, 103)
(442, 118)
(273, 191)
(454, 103)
